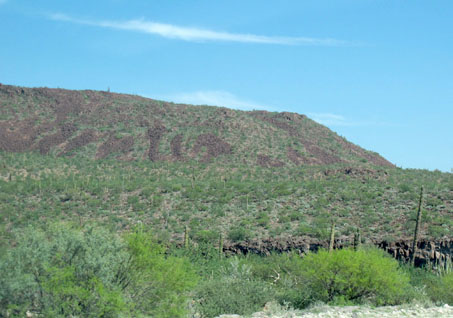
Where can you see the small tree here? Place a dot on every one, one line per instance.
(353, 276)
(63, 271)
(440, 289)
(157, 284)
(235, 290)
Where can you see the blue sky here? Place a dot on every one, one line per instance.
(379, 73)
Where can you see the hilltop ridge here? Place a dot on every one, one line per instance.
(97, 125)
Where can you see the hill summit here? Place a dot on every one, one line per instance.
(97, 125)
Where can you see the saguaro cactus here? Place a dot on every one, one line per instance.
(417, 226)
(186, 237)
(332, 237)
(220, 245)
(357, 239)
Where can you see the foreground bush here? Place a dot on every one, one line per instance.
(440, 289)
(233, 291)
(348, 276)
(64, 272)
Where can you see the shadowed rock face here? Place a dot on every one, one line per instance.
(86, 137)
(437, 253)
(44, 120)
(215, 146)
(298, 159)
(49, 141)
(17, 136)
(176, 145)
(268, 162)
(114, 144)
(155, 134)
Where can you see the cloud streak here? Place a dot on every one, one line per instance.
(330, 119)
(335, 120)
(215, 98)
(192, 34)
(224, 98)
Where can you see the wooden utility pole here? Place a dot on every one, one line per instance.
(417, 226)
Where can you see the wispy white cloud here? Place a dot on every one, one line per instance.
(197, 34)
(215, 98)
(329, 119)
(335, 120)
(226, 99)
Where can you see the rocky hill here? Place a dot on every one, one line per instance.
(101, 125)
(265, 181)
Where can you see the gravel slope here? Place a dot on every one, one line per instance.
(413, 311)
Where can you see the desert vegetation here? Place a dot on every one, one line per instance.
(64, 271)
(61, 269)
(119, 206)
(240, 202)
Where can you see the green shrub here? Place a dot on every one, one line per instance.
(206, 237)
(440, 289)
(63, 271)
(157, 284)
(236, 291)
(239, 234)
(282, 271)
(404, 188)
(262, 219)
(348, 276)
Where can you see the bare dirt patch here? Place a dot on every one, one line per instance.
(175, 146)
(321, 155)
(215, 146)
(17, 136)
(285, 121)
(155, 134)
(373, 158)
(268, 162)
(47, 142)
(86, 137)
(114, 144)
(299, 159)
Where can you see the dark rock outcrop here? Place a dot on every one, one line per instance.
(435, 253)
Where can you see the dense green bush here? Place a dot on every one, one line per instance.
(234, 291)
(348, 276)
(206, 237)
(238, 234)
(281, 271)
(156, 283)
(440, 289)
(62, 271)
